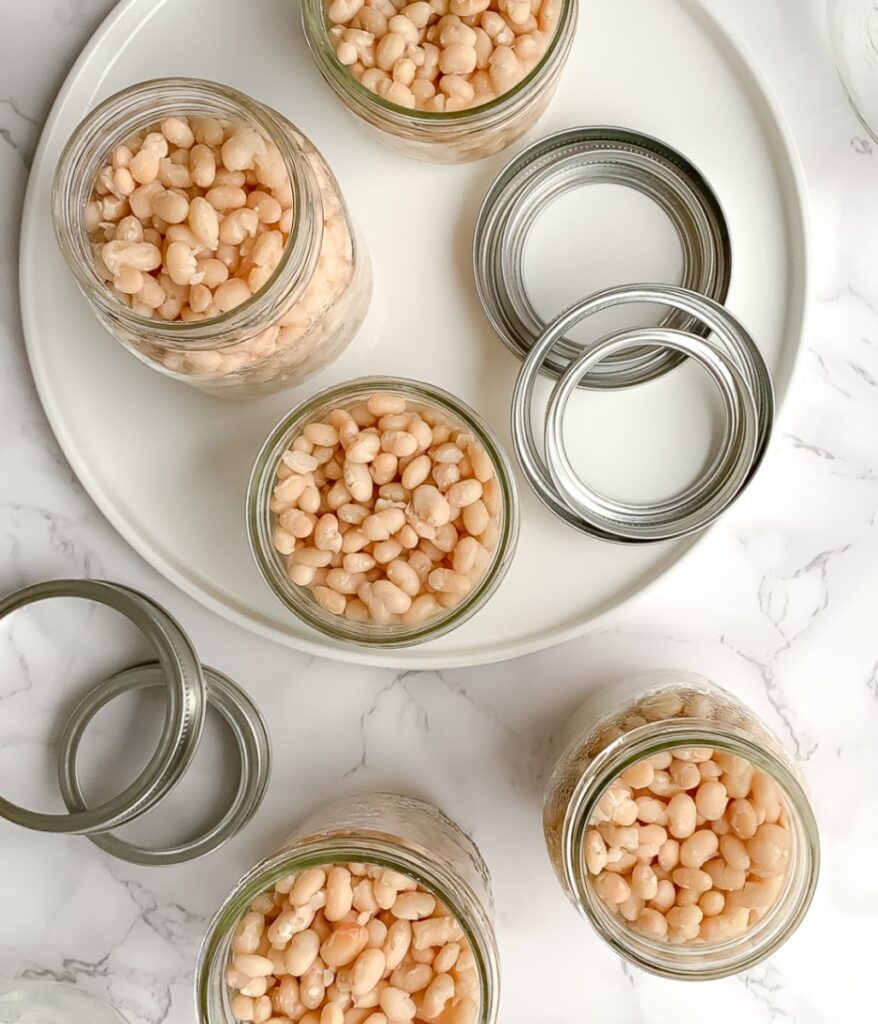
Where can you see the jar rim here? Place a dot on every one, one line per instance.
(77, 167)
(340, 78)
(692, 962)
(300, 602)
(383, 849)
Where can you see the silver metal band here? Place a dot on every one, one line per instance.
(736, 366)
(251, 738)
(573, 159)
(189, 690)
(184, 717)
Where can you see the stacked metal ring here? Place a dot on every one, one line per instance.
(736, 367)
(577, 158)
(696, 326)
(190, 690)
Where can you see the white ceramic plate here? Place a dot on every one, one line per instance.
(168, 467)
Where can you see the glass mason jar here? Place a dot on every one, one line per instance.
(302, 318)
(636, 719)
(36, 1001)
(299, 599)
(456, 136)
(385, 829)
(853, 31)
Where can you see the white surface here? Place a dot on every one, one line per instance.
(169, 467)
(778, 603)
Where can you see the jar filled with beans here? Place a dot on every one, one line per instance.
(378, 909)
(210, 237)
(677, 824)
(443, 80)
(383, 512)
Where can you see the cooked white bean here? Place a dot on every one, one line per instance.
(230, 294)
(344, 944)
(413, 906)
(302, 952)
(398, 1005)
(698, 848)
(682, 815)
(711, 800)
(142, 256)
(367, 971)
(180, 263)
(339, 892)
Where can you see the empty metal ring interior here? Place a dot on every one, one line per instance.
(699, 504)
(737, 367)
(569, 160)
(251, 737)
(568, 481)
(184, 716)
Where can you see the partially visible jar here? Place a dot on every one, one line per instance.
(37, 1001)
(304, 315)
(388, 830)
(623, 725)
(263, 513)
(446, 137)
(853, 32)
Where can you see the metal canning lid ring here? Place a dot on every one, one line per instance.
(736, 366)
(727, 381)
(184, 717)
(573, 159)
(251, 737)
(700, 503)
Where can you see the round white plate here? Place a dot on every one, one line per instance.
(168, 466)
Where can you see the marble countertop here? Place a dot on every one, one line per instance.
(778, 604)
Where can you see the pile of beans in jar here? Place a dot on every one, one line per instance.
(351, 944)
(387, 511)
(441, 55)
(690, 846)
(190, 219)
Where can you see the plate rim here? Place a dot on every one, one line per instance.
(423, 657)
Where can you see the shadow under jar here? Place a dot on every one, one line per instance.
(295, 323)
(452, 136)
(649, 717)
(475, 487)
(375, 839)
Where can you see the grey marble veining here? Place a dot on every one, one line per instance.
(778, 604)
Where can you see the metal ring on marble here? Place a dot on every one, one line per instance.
(572, 159)
(184, 716)
(243, 720)
(731, 358)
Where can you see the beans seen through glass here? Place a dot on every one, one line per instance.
(441, 56)
(689, 846)
(351, 944)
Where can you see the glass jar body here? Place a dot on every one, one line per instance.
(456, 137)
(636, 719)
(387, 829)
(36, 1001)
(260, 519)
(300, 320)
(853, 31)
